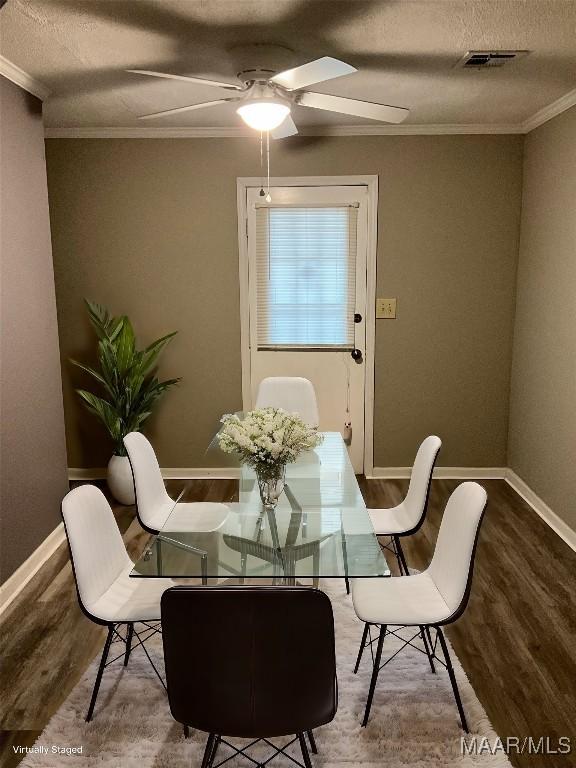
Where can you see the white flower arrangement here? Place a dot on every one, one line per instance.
(267, 438)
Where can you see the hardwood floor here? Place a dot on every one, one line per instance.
(516, 641)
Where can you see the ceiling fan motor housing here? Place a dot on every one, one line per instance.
(256, 75)
(261, 90)
(260, 61)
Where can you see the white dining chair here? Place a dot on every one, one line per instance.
(407, 517)
(155, 509)
(428, 600)
(291, 393)
(101, 566)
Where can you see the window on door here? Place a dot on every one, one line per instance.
(304, 296)
(306, 277)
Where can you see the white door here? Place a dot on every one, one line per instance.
(307, 298)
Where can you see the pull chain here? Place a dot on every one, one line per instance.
(268, 196)
(261, 164)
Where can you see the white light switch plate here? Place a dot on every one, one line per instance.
(385, 309)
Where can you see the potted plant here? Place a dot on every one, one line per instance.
(267, 439)
(129, 387)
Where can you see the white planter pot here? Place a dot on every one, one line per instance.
(120, 479)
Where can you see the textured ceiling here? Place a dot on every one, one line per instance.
(405, 50)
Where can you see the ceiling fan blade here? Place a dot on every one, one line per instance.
(354, 107)
(314, 72)
(287, 128)
(185, 78)
(176, 111)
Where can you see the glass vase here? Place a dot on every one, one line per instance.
(271, 484)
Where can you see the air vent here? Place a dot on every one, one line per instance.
(488, 59)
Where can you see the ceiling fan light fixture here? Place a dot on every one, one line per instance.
(264, 114)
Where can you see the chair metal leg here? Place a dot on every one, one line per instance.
(394, 540)
(430, 643)
(345, 562)
(453, 679)
(304, 748)
(316, 568)
(214, 750)
(312, 741)
(100, 672)
(375, 670)
(401, 557)
(129, 634)
(159, 556)
(427, 647)
(361, 649)
(208, 750)
(429, 636)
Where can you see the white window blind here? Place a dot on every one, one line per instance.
(306, 277)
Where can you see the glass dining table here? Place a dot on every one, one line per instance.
(320, 529)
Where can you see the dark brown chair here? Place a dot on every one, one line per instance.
(250, 662)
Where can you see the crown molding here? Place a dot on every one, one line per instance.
(16, 75)
(552, 110)
(90, 132)
(424, 129)
(119, 132)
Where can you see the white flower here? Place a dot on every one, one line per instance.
(267, 437)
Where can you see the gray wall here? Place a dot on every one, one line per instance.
(33, 452)
(542, 445)
(148, 227)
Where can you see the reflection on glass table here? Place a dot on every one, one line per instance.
(319, 529)
(284, 544)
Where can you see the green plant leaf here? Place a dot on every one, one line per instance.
(102, 321)
(124, 345)
(169, 383)
(124, 375)
(151, 352)
(105, 411)
(89, 370)
(137, 421)
(162, 341)
(153, 390)
(109, 366)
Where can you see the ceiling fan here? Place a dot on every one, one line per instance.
(266, 98)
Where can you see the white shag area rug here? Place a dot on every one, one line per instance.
(414, 721)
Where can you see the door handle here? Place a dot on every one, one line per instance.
(356, 355)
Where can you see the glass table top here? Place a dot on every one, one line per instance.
(319, 529)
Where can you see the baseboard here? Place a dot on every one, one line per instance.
(168, 473)
(200, 473)
(541, 508)
(490, 473)
(79, 473)
(16, 583)
(233, 473)
(441, 473)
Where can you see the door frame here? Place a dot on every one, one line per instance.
(243, 183)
